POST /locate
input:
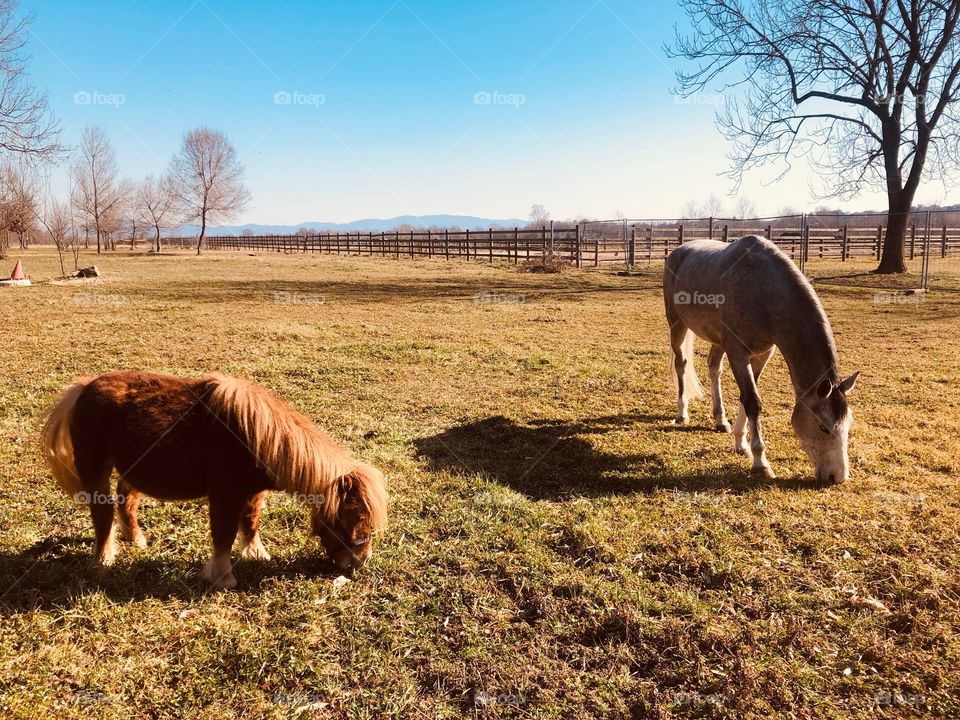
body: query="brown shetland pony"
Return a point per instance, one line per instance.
(217, 437)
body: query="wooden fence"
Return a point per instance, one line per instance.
(593, 244)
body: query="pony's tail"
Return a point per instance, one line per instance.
(56, 441)
(691, 383)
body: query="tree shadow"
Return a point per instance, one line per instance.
(551, 460)
(59, 571)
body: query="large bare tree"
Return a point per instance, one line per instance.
(27, 126)
(96, 187)
(156, 204)
(208, 179)
(867, 89)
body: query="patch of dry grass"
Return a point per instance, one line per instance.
(556, 547)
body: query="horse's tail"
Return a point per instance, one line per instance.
(691, 383)
(56, 441)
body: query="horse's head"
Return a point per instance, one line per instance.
(346, 523)
(822, 420)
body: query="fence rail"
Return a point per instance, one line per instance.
(596, 243)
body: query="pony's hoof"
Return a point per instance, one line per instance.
(140, 541)
(680, 420)
(742, 449)
(764, 471)
(255, 552)
(723, 427)
(219, 574)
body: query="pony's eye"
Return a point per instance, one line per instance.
(824, 430)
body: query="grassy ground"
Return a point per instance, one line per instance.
(556, 547)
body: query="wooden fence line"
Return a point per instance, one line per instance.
(591, 244)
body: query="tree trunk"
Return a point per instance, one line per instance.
(158, 239)
(899, 207)
(203, 231)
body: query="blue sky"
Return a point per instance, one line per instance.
(343, 110)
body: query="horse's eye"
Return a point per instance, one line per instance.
(824, 430)
(361, 541)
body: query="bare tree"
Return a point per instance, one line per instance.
(26, 125)
(208, 179)
(714, 206)
(155, 200)
(21, 189)
(745, 208)
(95, 185)
(692, 210)
(868, 89)
(539, 216)
(56, 220)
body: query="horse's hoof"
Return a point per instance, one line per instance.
(764, 471)
(723, 427)
(680, 420)
(254, 552)
(219, 573)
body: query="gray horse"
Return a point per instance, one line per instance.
(747, 298)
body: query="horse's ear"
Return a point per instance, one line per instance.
(848, 384)
(824, 389)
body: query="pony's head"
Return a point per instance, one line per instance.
(356, 506)
(822, 420)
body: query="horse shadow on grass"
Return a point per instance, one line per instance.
(556, 459)
(58, 571)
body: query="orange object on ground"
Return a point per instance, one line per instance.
(17, 273)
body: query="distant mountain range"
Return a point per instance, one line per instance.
(464, 222)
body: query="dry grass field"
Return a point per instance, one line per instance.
(556, 548)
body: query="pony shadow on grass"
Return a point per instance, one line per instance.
(555, 460)
(58, 572)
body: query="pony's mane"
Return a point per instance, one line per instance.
(300, 458)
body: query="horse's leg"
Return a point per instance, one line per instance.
(678, 333)
(252, 547)
(715, 364)
(225, 510)
(757, 363)
(93, 469)
(741, 365)
(128, 498)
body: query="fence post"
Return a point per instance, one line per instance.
(943, 242)
(516, 246)
(710, 229)
(768, 231)
(577, 247)
(726, 233)
(879, 239)
(913, 238)
(843, 244)
(490, 243)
